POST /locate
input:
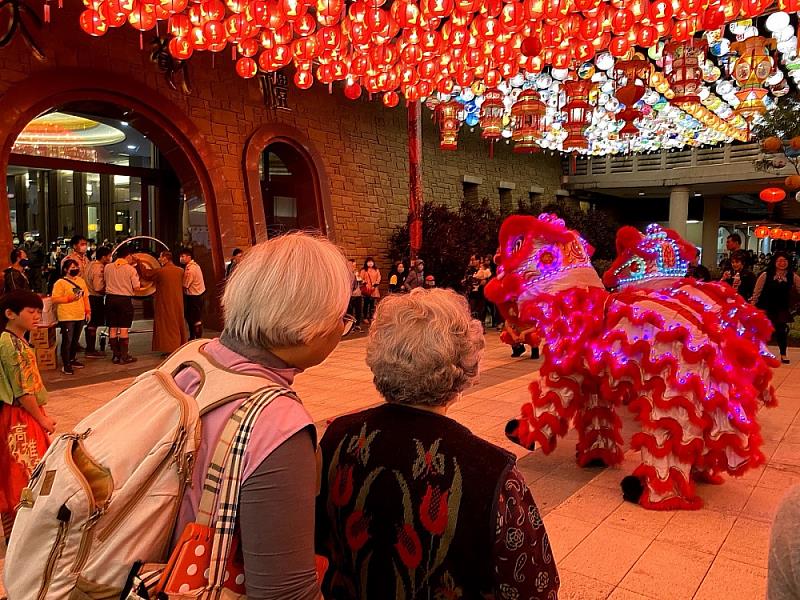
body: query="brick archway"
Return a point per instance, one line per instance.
(299, 142)
(176, 136)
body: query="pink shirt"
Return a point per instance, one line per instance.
(277, 423)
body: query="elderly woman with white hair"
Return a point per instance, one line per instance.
(413, 505)
(279, 321)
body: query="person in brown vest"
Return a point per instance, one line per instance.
(169, 327)
(412, 504)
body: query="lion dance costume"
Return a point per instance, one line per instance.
(688, 359)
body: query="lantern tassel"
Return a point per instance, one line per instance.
(141, 40)
(491, 149)
(330, 88)
(47, 12)
(233, 52)
(60, 4)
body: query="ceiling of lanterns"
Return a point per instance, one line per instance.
(450, 52)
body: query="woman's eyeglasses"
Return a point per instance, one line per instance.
(349, 321)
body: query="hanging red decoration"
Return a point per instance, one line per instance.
(636, 74)
(682, 66)
(577, 111)
(449, 124)
(491, 116)
(772, 195)
(527, 122)
(761, 232)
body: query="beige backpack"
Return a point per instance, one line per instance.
(105, 497)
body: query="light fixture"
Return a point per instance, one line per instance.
(641, 193)
(131, 147)
(696, 194)
(123, 123)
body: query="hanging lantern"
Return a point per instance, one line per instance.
(527, 116)
(796, 236)
(786, 235)
(636, 73)
(577, 111)
(772, 195)
(449, 124)
(751, 69)
(761, 232)
(776, 233)
(492, 112)
(792, 182)
(682, 66)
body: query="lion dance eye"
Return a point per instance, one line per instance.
(517, 246)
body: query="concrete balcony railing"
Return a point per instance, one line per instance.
(696, 166)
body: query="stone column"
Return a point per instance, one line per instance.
(679, 209)
(710, 230)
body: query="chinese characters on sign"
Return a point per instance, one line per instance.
(274, 88)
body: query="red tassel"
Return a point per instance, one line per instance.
(233, 52)
(141, 41)
(491, 150)
(60, 3)
(330, 88)
(47, 12)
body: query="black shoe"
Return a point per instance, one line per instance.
(517, 351)
(67, 371)
(534, 353)
(76, 364)
(784, 360)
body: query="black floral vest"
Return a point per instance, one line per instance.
(408, 506)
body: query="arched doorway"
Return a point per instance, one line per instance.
(288, 191)
(285, 183)
(174, 188)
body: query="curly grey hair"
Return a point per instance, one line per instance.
(424, 347)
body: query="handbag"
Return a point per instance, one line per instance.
(366, 287)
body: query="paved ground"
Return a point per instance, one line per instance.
(604, 548)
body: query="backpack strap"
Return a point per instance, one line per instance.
(218, 385)
(223, 481)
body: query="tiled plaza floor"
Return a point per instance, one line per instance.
(604, 548)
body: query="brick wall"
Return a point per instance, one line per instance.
(362, 144)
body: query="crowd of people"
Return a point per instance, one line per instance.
(95, 289)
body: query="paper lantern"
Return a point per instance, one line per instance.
(751, 69)
(246, 67)
(796, 236)
(577, 111)
(636, 73)
(792, 182)
(492, 112)
(776, 233)
(786, 235)
(772, 195)
(761, 232)
(682, 67)
(527, 115)
(352, 90)
(449, 124)
(772, 144)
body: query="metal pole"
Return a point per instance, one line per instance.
(415, 177)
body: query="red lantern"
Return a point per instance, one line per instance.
(619, 46)
(352, 90)
(786, 235)
(303, 78)
(796, 236)
(761, 232)
(772, 195)
(180, 48)
(93, 23)
(577, 111)
(449, 124)
(527, 115)
(246, 67)
(682, 66)
(491, 116)
(776, 233)
(391, 99)
(792, 182)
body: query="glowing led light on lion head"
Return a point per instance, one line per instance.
(540, 255)
(658, 254)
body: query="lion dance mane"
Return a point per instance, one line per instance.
(689, 359)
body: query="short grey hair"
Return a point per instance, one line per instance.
(287, 291)
(424, 347)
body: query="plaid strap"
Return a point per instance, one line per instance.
(223, 481)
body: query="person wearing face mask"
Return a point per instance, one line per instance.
(122, 283)
(776, 288)
(194, 291)
(14, 277)
(169, 325)
(79, 246)
(371, 278)
(397, 277)
(416, 276)
(71, 297)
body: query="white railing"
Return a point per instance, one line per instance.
(660, 161)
